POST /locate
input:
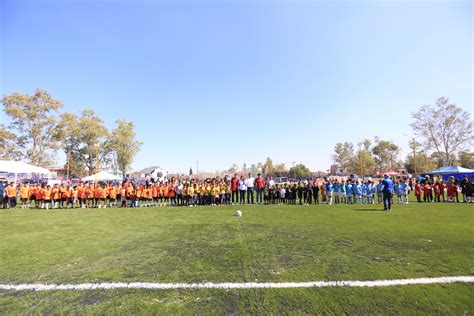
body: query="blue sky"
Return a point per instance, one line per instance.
(236, 81)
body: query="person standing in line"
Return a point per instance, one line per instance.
(259, 183)
(249, 183)
(441, 188)
(405, 190)
(271, 182)
(24, 195)
(427, 192)
(379, 190)
(309, 194)
(387, 188)
(3, 197)
(242, 189)
(463, 185)
(11, 195)
(336, 191)
(300, 192)
(342, 192)
(349, 191)
(316, 193)
(323, 192)
(329, 191)
(234, 186)
(418, 189)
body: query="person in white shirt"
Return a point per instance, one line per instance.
(242, 189)
(249, 183)
(179, 193)
(271, 182)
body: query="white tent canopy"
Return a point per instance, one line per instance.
(21, 167)
(451, 170)
(102, 176)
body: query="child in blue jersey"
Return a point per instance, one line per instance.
(357, 193)
(349, 192)
(379, 189)
(329, 190)
(370, 192)
(342, 192)
(398, 191)
(364, 193)
(336, 192)
(405, 190)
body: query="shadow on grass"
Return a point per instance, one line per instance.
(368, 209)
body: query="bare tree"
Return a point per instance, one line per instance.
(444, 128)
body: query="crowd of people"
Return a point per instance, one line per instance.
(235, 190)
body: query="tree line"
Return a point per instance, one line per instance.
(38, 130)
(442, 136)
(268, 168)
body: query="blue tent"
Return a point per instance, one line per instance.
(455, 171)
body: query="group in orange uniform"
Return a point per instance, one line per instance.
(129, 194)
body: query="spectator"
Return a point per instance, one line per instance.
(242, 189)
(234, 186)
(249, 183)
(259, 183)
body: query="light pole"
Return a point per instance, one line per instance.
(360, 162)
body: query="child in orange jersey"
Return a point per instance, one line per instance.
(10, 192)
(150, 196)
(24, 195)
(40, 196)
(123, 196)
(47, 197)
(55, 196)
(130, 195)
(63, 196)
(112, 195)
(33, 191)
(89, 196)
(155, 194)
(75, 197)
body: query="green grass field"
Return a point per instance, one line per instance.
(268, 244)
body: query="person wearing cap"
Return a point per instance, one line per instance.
(387, 185)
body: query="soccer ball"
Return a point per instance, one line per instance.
(238, 213)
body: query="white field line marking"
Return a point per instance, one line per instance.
(229, 285)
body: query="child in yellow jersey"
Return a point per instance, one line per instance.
(222, 194)
(228, 193)
(215, 194)
(199, 196)
(208, 193)
(192, 195)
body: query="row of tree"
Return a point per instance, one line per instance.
(443, 133)
(268, 168)
(37, 131)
